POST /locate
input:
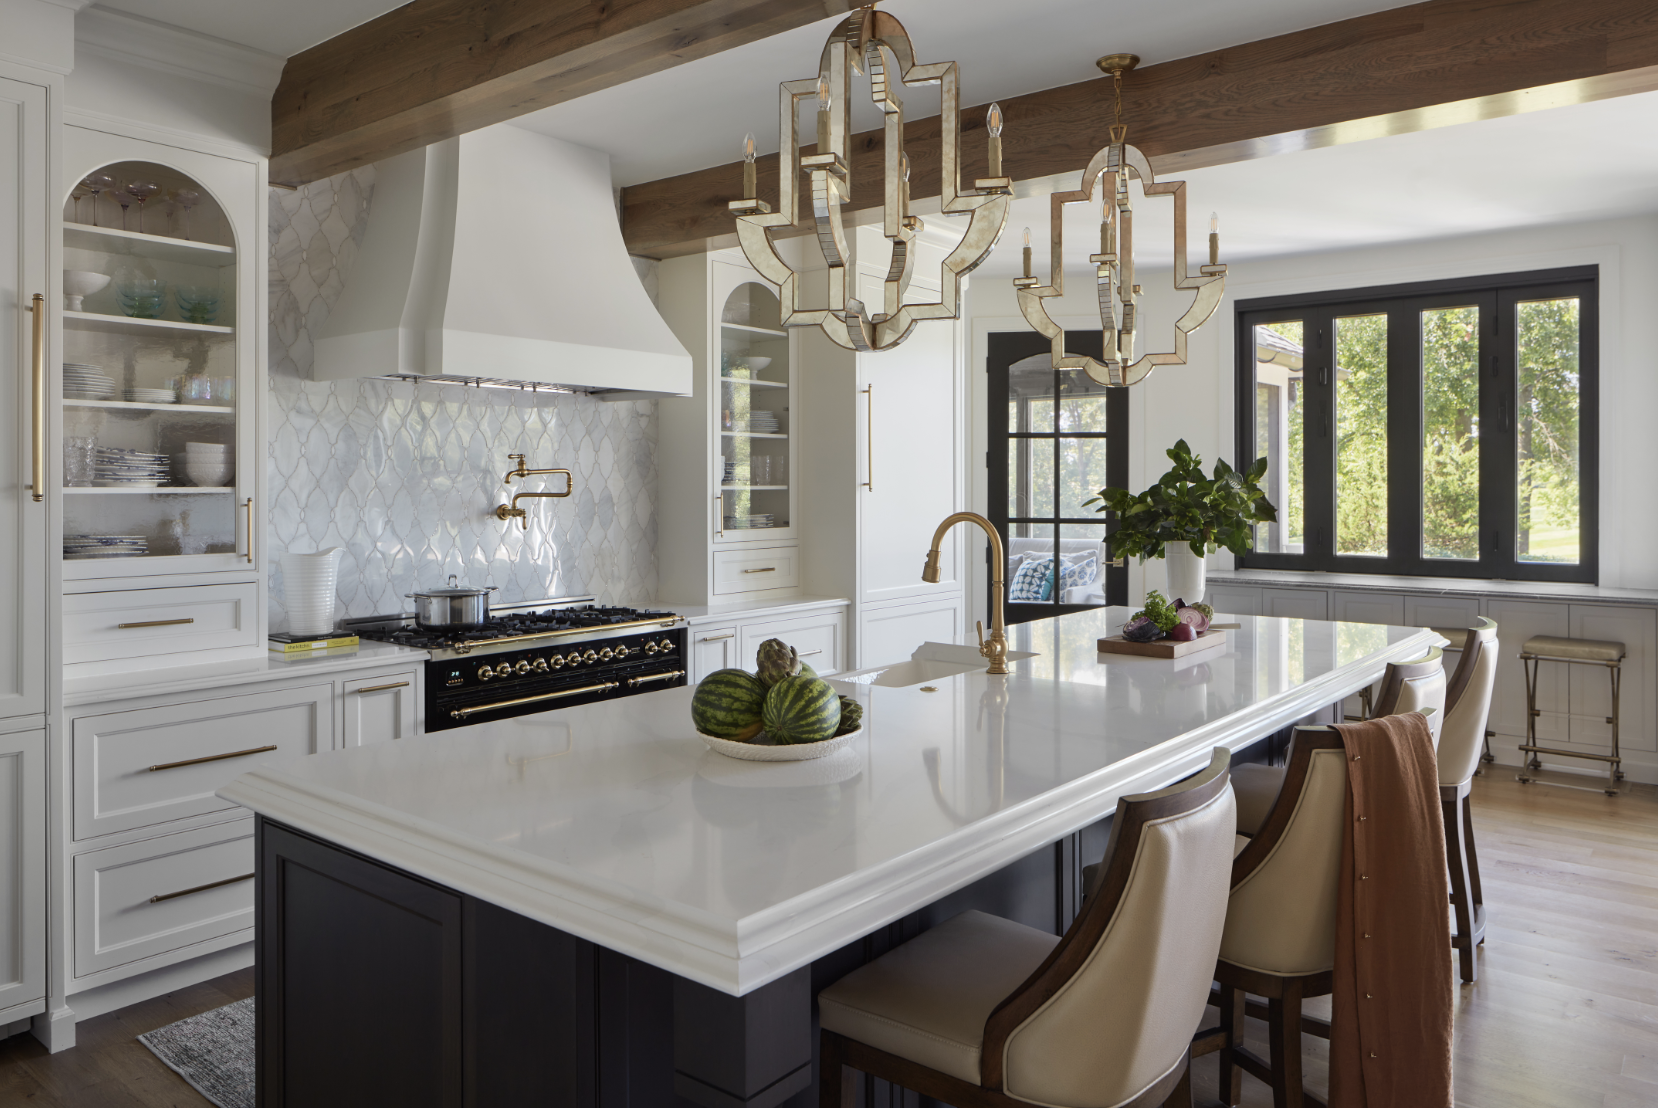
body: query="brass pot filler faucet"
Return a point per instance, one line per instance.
(513, 511)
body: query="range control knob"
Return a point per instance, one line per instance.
(651, 648)
(607, 654)
(504, 669)
(521, 668)
(590, 657)
(666, 646)
(622, 652)
(556, 661)
(573, 658)
(485, 673)
(539, 665)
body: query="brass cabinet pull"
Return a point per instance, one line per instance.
(249, 506)
(869, 438)
(382, 688)
(201, 888)
(156, 623)
(808, 653)
(718, 638)
(669, 676)
(212, 758)
(37, 305)
(462, 713)
(767, 569)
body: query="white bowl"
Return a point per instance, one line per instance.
(207, 447)
(81, 283)
(207, 475)
(758, 364)
(758, 752)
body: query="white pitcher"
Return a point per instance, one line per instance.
(1186, 573)
(309, 582)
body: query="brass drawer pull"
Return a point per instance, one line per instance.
(808, 653)
(155, 623)
(382, 688)
(462, 713)
(212, 758)
(718, 638)
(669, 676)
(767, 569)
(200, 888)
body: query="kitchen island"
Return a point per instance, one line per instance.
(589, 906)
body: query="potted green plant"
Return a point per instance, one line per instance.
(1186, 515)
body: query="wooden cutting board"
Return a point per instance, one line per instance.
(1163, 648)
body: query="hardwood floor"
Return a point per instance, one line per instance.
(1564, 1015)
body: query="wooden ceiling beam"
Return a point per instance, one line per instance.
(1395, 71)
(434, 69)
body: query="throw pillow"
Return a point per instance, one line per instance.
(1033, 581)
(1075, 575)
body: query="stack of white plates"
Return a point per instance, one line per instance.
(86, 382)
(152, 396)
(208, 465)
(139, 469)
(749, 523)
(764, 423)
(76, 547)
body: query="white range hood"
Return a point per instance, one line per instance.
(497, 258)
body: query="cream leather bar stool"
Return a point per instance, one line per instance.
(1577, 652)
(1468, 706)
(1456, 638)
(1406, 687)
(982, 1012)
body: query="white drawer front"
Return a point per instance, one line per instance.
(737, 571)
(379, 708)
(100, 626)
(818, 639)
(159, 895)
(127, 771)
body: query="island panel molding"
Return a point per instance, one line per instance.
(737, 874)
(1359, 78)
(435, 69)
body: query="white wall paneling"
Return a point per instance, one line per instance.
(1295, 603)
(1230, 600)
(22, 873)
(1590, 688)
(1441, 611)
(1517, 621)
(1366, 607)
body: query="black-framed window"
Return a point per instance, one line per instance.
(1444, 429)
(1056, 439)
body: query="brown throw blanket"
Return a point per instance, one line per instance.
(1390, 1027)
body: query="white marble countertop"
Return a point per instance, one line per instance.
(212, 675)
(615, 823)
(1438, 586)
(695, 614)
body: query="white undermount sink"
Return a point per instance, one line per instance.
(932, 661)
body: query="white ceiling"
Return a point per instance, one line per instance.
(280, 27)
(695, 115)
(1562, 165)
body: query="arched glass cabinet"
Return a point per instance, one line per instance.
(754, 467)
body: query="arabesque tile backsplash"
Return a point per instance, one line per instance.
(405, 477)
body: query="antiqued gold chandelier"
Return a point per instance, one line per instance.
(874, 43)
(1109, 171)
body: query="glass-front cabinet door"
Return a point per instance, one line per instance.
(159, 459)
(753, 409)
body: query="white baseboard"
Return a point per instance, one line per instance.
(145, 986)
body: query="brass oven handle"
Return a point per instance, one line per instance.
(719, 516)
(669, 676)
(156, 623)
(212, 758)
(249, 507)
(462, 713)
(381, 688)
(767, 569)
(718, 638)
(37, 305)
(201, 888)
(869, 438)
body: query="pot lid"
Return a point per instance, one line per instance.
(456, 589)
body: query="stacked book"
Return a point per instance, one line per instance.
(284, 643)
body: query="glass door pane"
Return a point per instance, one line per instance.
(1279, 398)
(1361, 435)
(1546, 430)
(1451, 433)
(754, 414)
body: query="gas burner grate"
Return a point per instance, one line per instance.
(589, 617)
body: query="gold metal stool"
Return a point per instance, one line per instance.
(1577, 652)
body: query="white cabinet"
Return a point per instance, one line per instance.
(22, 872)
(1517, 621)
(818, 638)
(712, 649)
(115, 627)
(1590, 687)
(891, 633)
(1234, 600)
(1441, 611)
(1295, 603)
(25, 215)
(756, 569)
(379, 709)
(1367, 607)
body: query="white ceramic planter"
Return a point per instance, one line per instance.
(1186, 573)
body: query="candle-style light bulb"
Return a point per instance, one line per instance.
(993, 124)
(904, 189)
(749, 188)
(824, 145)
(1108, 235)
(1027, 251)
(1214, 238)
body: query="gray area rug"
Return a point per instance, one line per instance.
(212, 1051)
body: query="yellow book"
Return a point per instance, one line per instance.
(305, 646)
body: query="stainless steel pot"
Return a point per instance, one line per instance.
(452, 608)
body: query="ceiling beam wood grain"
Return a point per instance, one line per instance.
(1395, 71)
(434, 69)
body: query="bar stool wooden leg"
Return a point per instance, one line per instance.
(833, 1086)
(1284, 1040)
(1465, 895)
(1232, 1032)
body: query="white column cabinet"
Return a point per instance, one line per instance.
(25, 217)
(22, 874)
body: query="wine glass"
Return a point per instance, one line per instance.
(141, 191)
(95, 184)
(125, 201)
(77, 194)
(186, 199)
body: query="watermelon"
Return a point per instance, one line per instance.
(852, 716)
(776, 660)
(806, 671)
(728, 705)
(801, 710)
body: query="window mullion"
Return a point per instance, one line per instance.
(1318, 435)
(1498, 377)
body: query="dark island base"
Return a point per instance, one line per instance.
(376, 987)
